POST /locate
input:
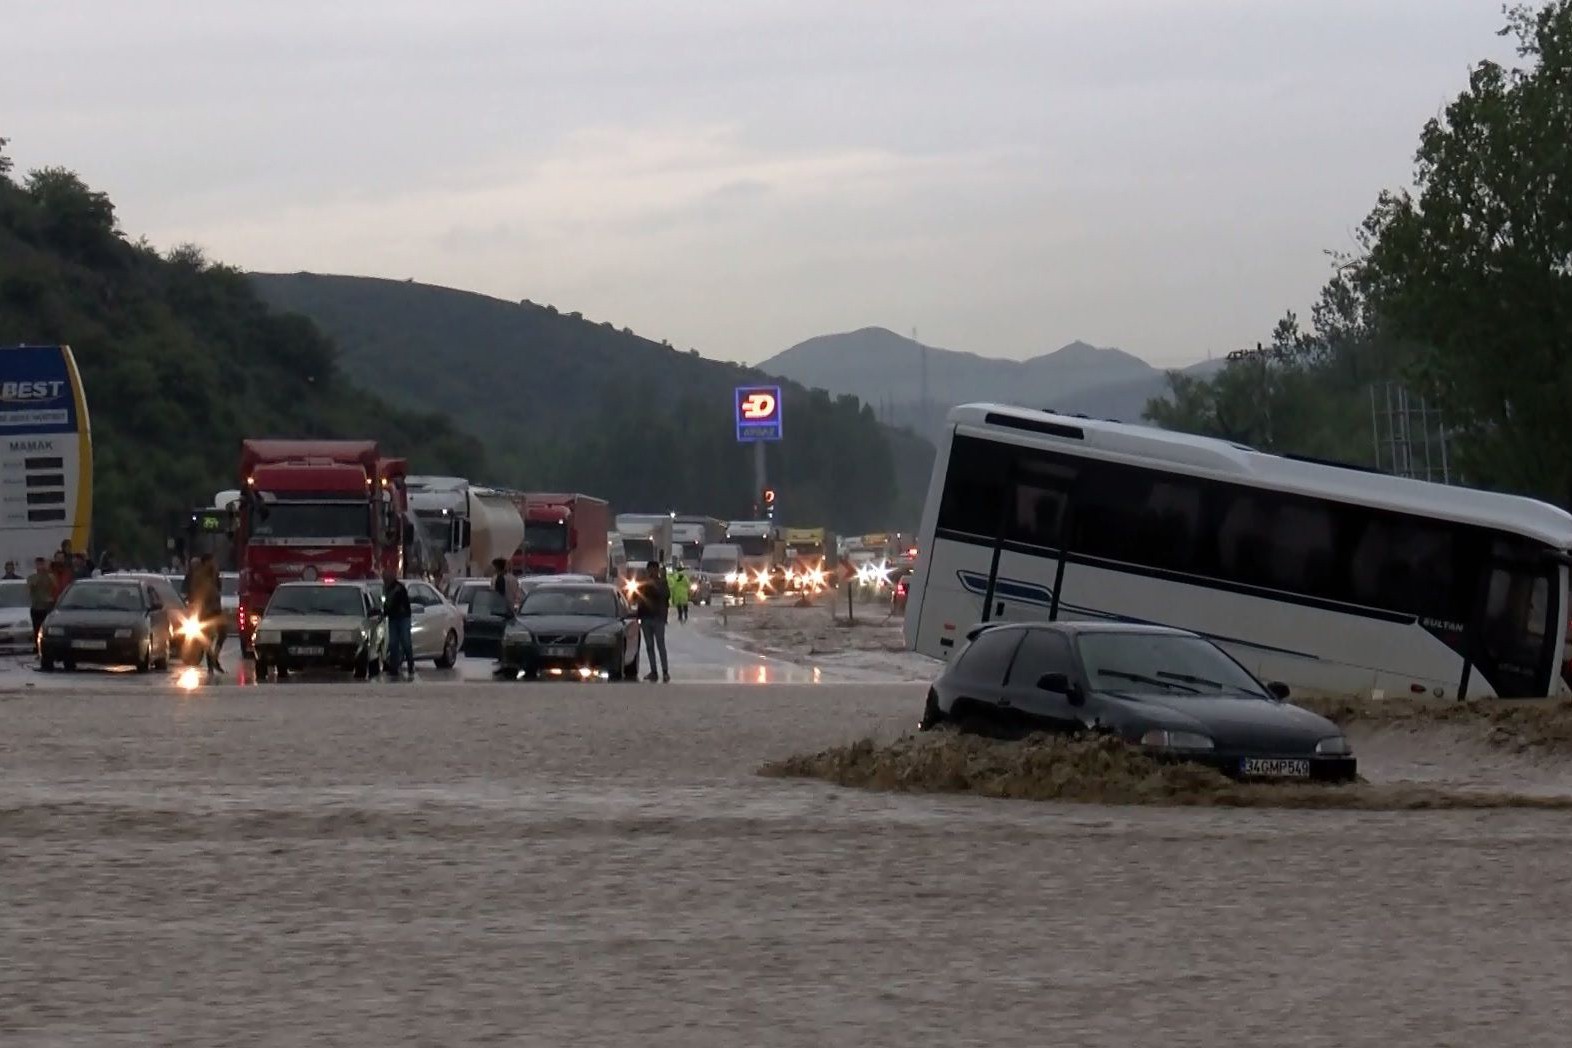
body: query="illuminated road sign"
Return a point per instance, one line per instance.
(758, 413)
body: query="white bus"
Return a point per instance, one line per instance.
(1328, 578)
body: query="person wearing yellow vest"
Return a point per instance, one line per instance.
(677, 579)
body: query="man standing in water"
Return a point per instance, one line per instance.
(652, 600)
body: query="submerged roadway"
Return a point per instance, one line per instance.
(458, 862)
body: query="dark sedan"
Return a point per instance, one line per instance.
(109, 621)
(1174, 694)
(573, 630)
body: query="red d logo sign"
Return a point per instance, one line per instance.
(758, 407)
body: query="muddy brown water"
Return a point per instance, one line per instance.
(379, 866)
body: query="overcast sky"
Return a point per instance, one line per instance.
(739, 175)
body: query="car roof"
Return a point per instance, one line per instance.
(1083, 628)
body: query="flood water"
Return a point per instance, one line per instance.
(379, 865)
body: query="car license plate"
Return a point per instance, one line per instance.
(1274, 768)
(559, 651)
(90, 645)
(306, 650)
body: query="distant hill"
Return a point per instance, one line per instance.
(180, 360)
(885, 369)
(563, 401)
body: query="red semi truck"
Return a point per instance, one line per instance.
(316, 509)
(566, 534)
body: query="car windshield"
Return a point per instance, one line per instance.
(13, 594)
(718, 564)
(317, 600)
(311, 520)
(113, 596)
(564, 600)
(1154, 662)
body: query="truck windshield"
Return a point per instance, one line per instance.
(437, 528)
(690, 551)
(547, 536)
(717, 564)
(311, 520)
(752, 545)
(641, 551)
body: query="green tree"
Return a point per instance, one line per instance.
(1474, 266)
(5, 161)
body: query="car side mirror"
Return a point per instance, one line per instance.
(1279, 690)
(1060, 684)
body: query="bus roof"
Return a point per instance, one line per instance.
(1221, 459)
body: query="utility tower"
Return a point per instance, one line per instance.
(1410, 440)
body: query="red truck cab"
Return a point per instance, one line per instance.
(566, 533)
(316, 509)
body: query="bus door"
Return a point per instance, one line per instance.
(1517, 626)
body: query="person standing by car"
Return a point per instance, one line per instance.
(41, 594)
(205, 600)
(505, 584)
(681, 589)
(400, 614)
(652, 602)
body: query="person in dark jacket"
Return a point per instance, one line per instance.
(399, 613)
(652, 601)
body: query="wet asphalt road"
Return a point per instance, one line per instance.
(379, 864)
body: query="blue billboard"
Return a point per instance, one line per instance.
(46, 453)
(758, 413)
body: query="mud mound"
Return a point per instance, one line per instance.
(1524, 726)
(1098, 770)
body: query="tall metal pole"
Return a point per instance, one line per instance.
(760, 478)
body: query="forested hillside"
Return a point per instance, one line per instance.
(566, 402)
(180, 360)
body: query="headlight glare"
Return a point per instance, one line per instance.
(1163, 739)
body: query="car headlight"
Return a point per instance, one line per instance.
(1162, 739)
(346, 636)
(1334, 746)
(267, 637)
(54, 631)
(123, 633)
(519, 635)
(603, 636)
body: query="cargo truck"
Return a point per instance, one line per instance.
(313, 509)
(566, 534)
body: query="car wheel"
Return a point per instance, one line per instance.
(163, 660)
(932, 716)
(144, 659)
(449, 654)
(362, 666)
(69, 665)
(261, 666)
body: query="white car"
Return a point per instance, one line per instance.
(321, 624)
(16, 617)
(436, 625)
